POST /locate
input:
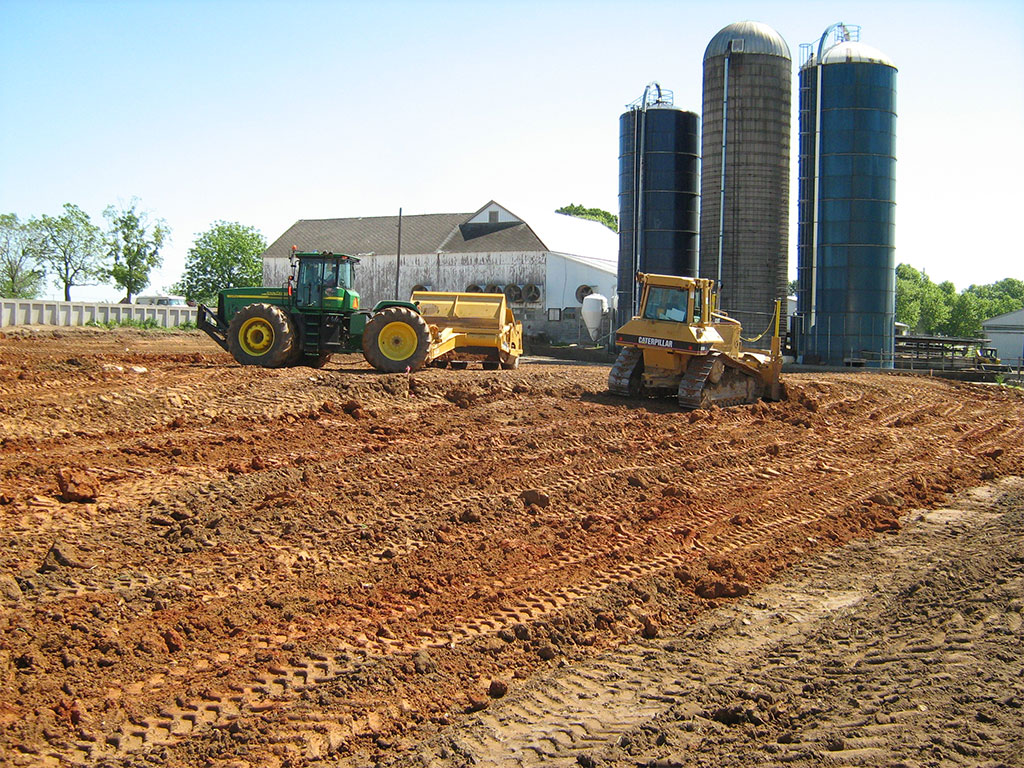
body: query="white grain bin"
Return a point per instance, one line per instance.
(594, 308)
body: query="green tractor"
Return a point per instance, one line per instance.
(317, 314)
(313, 316)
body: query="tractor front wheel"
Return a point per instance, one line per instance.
(396, 340)
(261, 334)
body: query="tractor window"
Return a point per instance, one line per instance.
(331, 278)
(310, 283)
(666, 304)
(344, 274)
(698, 305)
(310, 272)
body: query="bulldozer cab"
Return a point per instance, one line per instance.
(684, 300)
(320, 277)
(677, 304)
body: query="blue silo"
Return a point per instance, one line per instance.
(659, 192)
(846, 258)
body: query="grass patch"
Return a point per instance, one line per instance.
(149, 324)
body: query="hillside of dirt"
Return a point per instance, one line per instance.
(203, 564)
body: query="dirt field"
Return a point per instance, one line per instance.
(208, 565)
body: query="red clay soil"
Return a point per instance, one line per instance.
(208, 564)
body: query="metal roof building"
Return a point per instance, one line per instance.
(1007, 334)
(544, 267)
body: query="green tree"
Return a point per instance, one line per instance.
(909, 287)
(610, 220)
(133, 245)
(70, 246)
(21, 276)
(965, 317)
(936, 306)
(1006, 295)
(978, 303)
(225, 256)
(938, 309)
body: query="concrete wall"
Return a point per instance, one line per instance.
(22, 312)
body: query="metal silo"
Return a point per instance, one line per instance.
(846, 257)
(659, 192)
(744, 221)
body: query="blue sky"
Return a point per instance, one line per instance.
(265, 112)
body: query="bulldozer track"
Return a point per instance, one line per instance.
(622, 371)
(691, 386)
(291, 555)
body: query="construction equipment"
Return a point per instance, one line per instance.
(678, 344)
(467, 326)
(987, 359)
(317, 314)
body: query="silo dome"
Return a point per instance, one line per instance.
(850, 52)
(754, 37)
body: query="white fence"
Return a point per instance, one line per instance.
(20, 312)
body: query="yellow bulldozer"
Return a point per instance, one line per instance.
(679, 344)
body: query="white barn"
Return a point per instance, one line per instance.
(544, 267)
(1007, 334)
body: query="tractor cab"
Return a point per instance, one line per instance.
(322, 281)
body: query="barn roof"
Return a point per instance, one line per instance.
(369, 234)
(424, 233)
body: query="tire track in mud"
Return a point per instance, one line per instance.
(544, 454)
(288, 680)
(746, 662)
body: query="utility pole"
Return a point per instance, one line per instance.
(398, 254)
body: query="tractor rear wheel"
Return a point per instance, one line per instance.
(261, 334)
(396, 339)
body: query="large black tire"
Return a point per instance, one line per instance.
(261, 334)
(396, 340)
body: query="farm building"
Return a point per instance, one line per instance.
(1007, 334)
(544, 267)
